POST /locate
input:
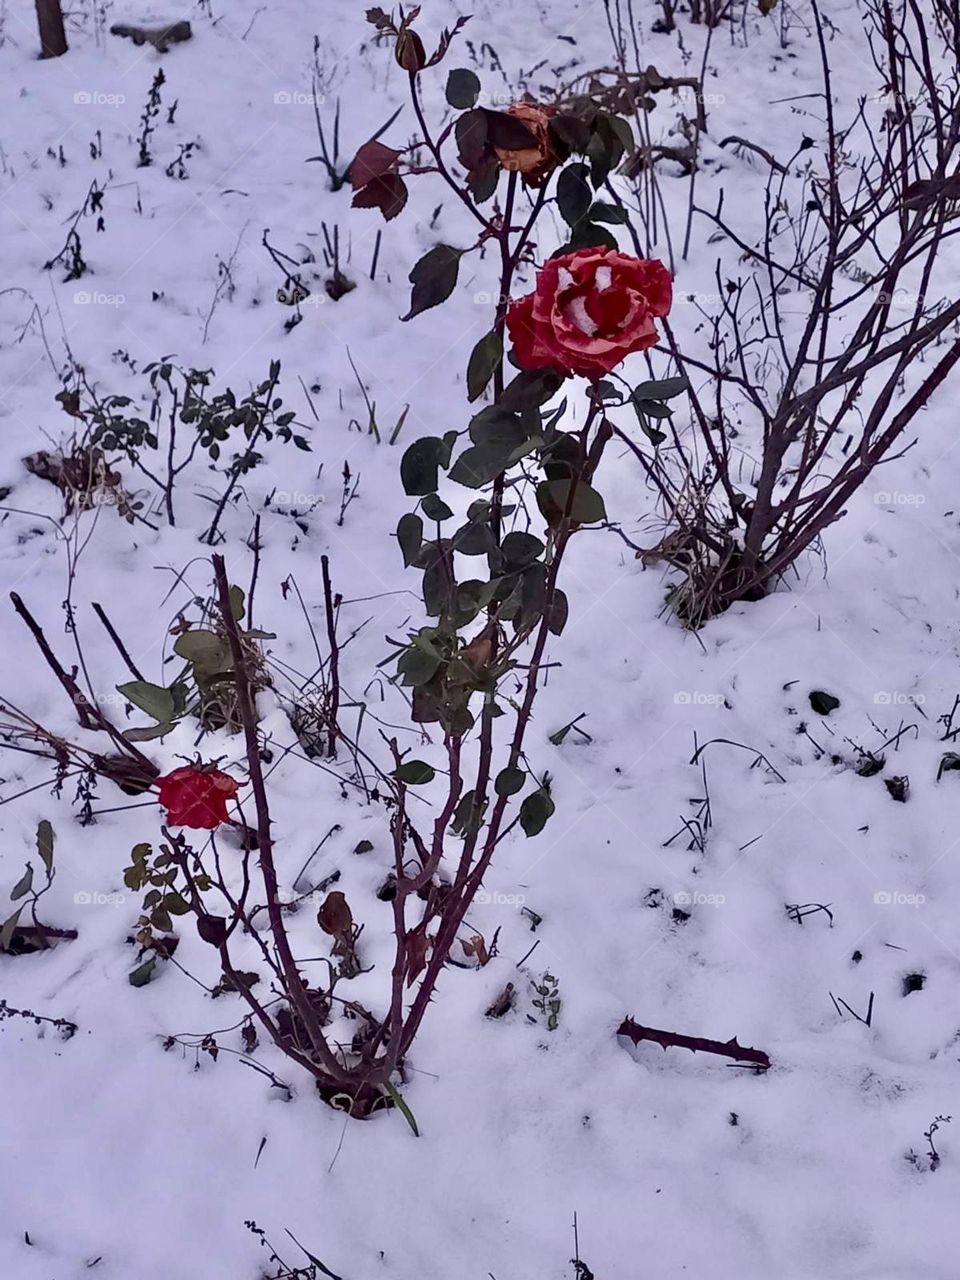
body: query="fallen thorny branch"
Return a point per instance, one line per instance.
(696, 1044)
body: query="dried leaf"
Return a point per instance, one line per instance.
(335, 916)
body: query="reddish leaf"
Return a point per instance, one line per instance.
(388, 193)
(417, 946)
(212, 929)
(371, 161)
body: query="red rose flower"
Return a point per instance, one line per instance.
(590, 309)
(196, 797)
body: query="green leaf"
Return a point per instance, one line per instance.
(45, 841)
(207, 652)
(623, 131)
(494, 425)
(467, 817)
(410, 537)
(572, 132)
(463, 88)
(434, 278)
(481, 463)
(419, 466)
(651, 409)
(653, 435)
(530, 389)
(175, 903)
(404, 1109)
(23, 885)
(484, 361)
(8, 929)
(533, 596)
(474, 595)
(603, 151)
(437, 587)
(160, 919)
(601, 211)
(434, 508)
(509, 781)
(473, 539)
(416, 667)
(823, 703)
(558, 611)
(573, 194)
(470, 132)
(586, 506)
(155, 700)
(521, 549)
(663, 389)
(535, 810)
(143, 972)
(587, 235)
(415, 773)
(148, 735)
(482, 180)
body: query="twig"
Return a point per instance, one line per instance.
(696, 1044)
(137, 674)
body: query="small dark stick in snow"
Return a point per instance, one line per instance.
(696, 1044)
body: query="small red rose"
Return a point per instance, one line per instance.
(590, 310)
(196, 797)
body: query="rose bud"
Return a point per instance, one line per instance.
(410, 53)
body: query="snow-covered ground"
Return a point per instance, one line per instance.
(150, 1162)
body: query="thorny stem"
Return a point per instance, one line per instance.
(434, 150)
(293, 983)
(470, 875)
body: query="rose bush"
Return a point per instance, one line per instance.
(590, 309)
(195, 797)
